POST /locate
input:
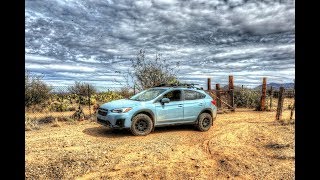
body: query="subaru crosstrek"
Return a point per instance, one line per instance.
(159, 106)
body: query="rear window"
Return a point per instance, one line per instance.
(192, 95)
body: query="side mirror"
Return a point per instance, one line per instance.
(164, 100)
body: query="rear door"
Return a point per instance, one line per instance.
(193, 104)
(170, 112)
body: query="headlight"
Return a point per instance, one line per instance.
(121, 110)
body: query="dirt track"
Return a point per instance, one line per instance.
(240, 145)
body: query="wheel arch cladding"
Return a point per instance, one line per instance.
(207, 110)
(146, 112)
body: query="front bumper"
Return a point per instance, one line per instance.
(114, 120)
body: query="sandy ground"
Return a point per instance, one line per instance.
(240, 145)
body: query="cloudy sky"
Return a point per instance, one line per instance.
(89, 40)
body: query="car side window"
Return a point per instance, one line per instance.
(173, 95)
(192, 95)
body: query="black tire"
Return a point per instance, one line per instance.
(141, 125)
(204, 122)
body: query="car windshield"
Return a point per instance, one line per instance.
(147, 95)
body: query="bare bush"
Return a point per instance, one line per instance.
(125, 92)
(82, 89)
(247, 98)
(145, 73)
(30, 124)
(36, 91)
(78, 115)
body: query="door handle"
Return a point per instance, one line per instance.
(180, 105)
(200, 104)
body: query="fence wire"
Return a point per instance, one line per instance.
(63, 104)
(250, 99)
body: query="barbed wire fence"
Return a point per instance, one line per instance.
(65, 105)
(232, 96)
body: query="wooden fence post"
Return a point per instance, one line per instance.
(231, 92)
(271, 96)
(263, 94)
(89, 100)
(209, 84)
(294, 102)
(280, 104)
(218, 96)
(134, 89)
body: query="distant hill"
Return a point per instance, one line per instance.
(276, 86)
(226, 87)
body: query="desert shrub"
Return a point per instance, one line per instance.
(85, 100)
(125, 92)
(108, 96)
(30, 124)
(247, 98)
(71, 108)
(82, 89)
(55, 123)
(45, 120)
(78, 115)
(95, 108)
(64, 118)
(36, 91)
(37, 107)
(60, 107)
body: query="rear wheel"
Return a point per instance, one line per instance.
(141, 125)
(204, 122)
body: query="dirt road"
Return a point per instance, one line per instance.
(240, 145)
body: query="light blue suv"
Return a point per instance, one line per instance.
(159, 106)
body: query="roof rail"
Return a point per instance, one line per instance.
(188, 85)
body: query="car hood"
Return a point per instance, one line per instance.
(121, 103)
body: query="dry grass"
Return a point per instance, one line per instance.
(39, 115)
(287, 102)
(55, 123)
(241, 145)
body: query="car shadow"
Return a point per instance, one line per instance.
(102, 131)
(174, 128)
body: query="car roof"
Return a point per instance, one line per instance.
(178, 87)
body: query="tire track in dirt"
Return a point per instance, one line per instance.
(235, 147)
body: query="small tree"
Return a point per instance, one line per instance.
(82, 89)
(144, 73)
(246, 98)
(36, 91)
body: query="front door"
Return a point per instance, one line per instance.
(170, 112)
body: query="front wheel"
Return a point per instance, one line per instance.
(204, 122)
(141, 125)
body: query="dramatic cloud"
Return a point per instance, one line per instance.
(68, 40)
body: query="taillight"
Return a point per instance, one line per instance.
(214, 102)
